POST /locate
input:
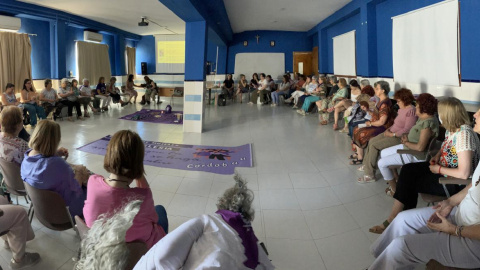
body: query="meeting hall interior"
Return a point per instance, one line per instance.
(228, 134)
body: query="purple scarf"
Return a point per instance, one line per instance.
(245, 231)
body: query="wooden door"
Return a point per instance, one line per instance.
(315, 60)
(302, 59)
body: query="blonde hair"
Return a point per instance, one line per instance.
(46, 138)
(453, 114)
(125, 153)
(11, 116)
(342, 82)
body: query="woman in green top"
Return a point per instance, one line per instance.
(84, 101)
(328, 104)
(417, 139)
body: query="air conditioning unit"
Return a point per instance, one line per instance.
(10, 23)
(92, 36)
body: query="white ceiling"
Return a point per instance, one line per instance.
(279, 15)
(122, 14)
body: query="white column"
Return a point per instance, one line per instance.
(194, 106)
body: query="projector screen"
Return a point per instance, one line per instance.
(425, 45)
(268, 63)
(170, 53)
(344, 55)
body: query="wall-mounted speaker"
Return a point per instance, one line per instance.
(144, 68)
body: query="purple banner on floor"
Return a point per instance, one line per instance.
(155, 116)
(214, 159)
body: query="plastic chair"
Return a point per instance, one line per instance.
(50, 209)
(177, 92)
(12, 179)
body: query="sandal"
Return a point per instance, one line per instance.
(330, 110)
(378, 229)
(361, 168)
(354, 156)
(356, 161)
(323, 123)
(366, 179)
(389, 191)
(335, 126)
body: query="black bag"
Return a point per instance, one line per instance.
(222, 100)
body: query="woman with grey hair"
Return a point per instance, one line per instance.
(222, 240)
(104, 245)
(69, 99)
(364, 83)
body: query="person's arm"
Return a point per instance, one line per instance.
(379, 123)
(24, 96)
(463, 170)
(425, 135)
(172, 251)
(64, 95)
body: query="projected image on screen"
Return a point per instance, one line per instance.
(171, 52)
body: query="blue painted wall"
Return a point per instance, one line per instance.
(40, 46)
(372, 20)
(146, 53)
(212, 54)
(286, 42)
(72, 34)
(347, 25)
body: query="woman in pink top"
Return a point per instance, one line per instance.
(124, 162)
(404, 121)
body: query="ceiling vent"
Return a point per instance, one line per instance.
(92, 36)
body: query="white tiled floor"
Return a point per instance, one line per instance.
(310, 211)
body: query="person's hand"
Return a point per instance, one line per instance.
(62, 152)
(368, 123)
(444, 208)
(443, 225)
(434, 160)
(387, 133)
(434, 168)
(404, 138)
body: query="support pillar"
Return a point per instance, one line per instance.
(196, 40)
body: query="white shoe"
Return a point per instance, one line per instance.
(273, 104)
(250, 103)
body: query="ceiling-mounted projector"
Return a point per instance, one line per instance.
(144, 22)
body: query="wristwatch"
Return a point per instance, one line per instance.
(394, 135)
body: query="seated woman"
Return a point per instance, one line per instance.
(320, 93)
(114, 92)
(417, 139)
(49, 100)
(86, 92)
(403, 123)
(228, 85)
(222, 240)
(242, 87)
(448, 233)
(283, 89)
(312, 86)
(346, 103)
(130, 90)
(299, 92)
(254, 81)
(150, 91)
(262, 90)
(8, 97)
(69, 99)
(82, 100)
(14, 221)
(124, 162)
(382, 119)
(29, 100)
(458, 157)
(359, 114)
(328, 104)
(101, 92)
(44, 167)
(12, 148)
(271, 83)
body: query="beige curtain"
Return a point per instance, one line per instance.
(15, 59)
(93, 61)
(131, 59)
